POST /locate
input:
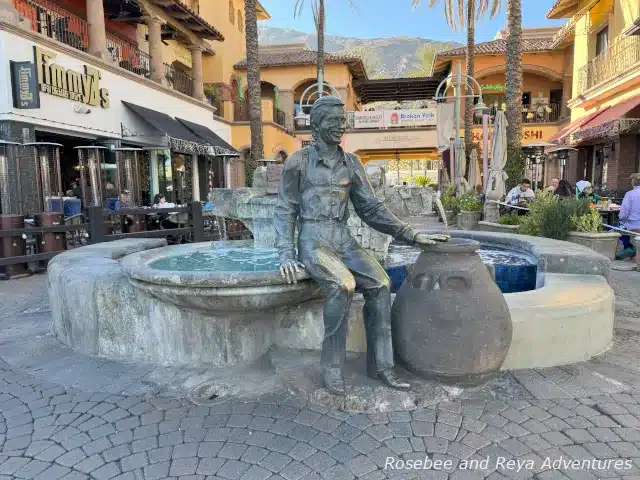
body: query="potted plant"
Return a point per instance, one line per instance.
(470, 214)
(212, 93)
(422, 181)
(509, 223)
(450, 203)
(587, 231)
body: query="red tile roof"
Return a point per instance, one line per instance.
(500, 46)
(298, 57)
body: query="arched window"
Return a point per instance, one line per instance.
(232, 12)
(240, 22)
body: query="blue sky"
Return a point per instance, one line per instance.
(394, 18)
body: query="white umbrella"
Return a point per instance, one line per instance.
(497, 176)
(460, 163)
(474, 169)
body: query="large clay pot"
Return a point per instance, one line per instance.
(450, 320)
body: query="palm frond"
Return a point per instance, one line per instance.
(298, 7)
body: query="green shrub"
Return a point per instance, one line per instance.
(590, 222)
(449, 199)
(422, 180)
(469, 203)
(552, 218)
(510, 219)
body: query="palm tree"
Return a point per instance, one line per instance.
(253, 87)
(513, 85)
(317, 7)
(455, 12)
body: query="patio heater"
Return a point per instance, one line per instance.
(46, 158)
(10, 191)
(90, 162)
(11, 206)
(128, 185)
(128, 176)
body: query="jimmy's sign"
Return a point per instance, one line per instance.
(79, 87)
(24, 85)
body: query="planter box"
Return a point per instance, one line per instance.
(451, 216)
(484, 226)
(468, 220)
(603, 243)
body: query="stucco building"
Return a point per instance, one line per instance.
(605, 101)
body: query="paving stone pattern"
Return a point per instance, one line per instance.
(50, 431)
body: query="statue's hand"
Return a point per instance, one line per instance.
(288, 270)
(425, 239)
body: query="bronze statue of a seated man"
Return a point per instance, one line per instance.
(317, 183)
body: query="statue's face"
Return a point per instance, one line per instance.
(333, 125)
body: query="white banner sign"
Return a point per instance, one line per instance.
(410, 118)
(368, 119)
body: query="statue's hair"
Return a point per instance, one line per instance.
(319, 110)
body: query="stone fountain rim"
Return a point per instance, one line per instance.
(137, 266)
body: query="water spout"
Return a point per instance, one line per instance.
(222, 228)
(440, 207)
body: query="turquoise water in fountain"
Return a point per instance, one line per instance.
(222, 260)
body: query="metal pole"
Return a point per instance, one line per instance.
(485, 150)
(456, 113)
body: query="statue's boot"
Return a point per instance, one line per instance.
(390, 378)
(377, 317)
(334, 380)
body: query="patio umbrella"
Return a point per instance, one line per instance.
(460, 163)
(474, 169)
(495, 189)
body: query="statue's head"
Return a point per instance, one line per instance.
(328, 120)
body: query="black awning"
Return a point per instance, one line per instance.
(220, 147)
(180, 137)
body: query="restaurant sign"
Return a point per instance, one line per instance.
(496, 87)
(373, 119)
(24, 85)
(395, 118)
(79, 87)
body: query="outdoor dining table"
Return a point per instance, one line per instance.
(609, 215)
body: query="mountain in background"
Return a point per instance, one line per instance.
(383, 57)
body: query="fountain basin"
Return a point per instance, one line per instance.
(105, 300)
(179, 274)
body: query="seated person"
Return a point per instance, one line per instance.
(563, 190)
(585, 190)
(519, 195)
(630, 217)
(160, 202)
(553, 187)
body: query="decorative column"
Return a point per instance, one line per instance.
(154, 25)
(97, 31)
(567, 86)
(197, 87)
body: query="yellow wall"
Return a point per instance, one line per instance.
(275, 139)
(219, 68)
(292, 76)
(619, 18)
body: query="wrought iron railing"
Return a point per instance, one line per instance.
(55, 22)
(279, 117)
(179, 80)
(617, 59)
(531, 114)
(128, 56)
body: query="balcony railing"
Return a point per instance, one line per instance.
(55, 22)
(128, 56)
(531, 114)
(179, 80)
(279, 117)
(617, 59)
(59, 24)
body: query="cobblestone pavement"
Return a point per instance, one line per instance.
(57, 423)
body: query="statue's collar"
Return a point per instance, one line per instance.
(315, 156)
